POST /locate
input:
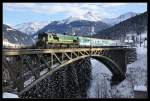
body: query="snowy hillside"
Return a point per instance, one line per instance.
(15, 38)
(80, 27)
(136, 75)
(137, 24)
(30, 28)
(113, 21)
(65, 25)
(89, 16)
(100, 84)
(9, 95)
(69, 20)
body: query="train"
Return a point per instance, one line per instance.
(46, 40)
(52, 40)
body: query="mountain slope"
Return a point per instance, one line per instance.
(30, 28)
(65, 25)
(81, 27)
(135, 24)
(89, 16)
(79, 24)
(13, 37)
(113, 21)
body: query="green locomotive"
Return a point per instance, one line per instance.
(52, 40)
(48, 40)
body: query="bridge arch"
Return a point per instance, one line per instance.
(109, 63)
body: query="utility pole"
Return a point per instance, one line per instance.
(139, 33)
(90, 36)
(92, 31)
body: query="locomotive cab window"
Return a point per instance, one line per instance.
(43, 36)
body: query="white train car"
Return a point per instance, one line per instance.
(86, 41)
(102, 42)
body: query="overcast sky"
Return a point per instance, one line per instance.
(16, 13)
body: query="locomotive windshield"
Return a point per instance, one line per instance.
(43, 36)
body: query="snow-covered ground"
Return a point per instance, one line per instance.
(140, 88)
(138, 69)
(9, 95)
(15, 45)
(136, 76)
(99, 85)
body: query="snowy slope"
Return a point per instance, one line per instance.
(70, 19)
(113, 21)
(140, 88)
(136, 76)
(30, 28)
(80, 27)
(100, 85)
(13, 37)
(89, 16)
(9, 95)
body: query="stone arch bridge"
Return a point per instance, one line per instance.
(24, 68)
